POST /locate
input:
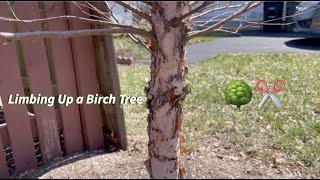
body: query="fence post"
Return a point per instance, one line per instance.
(109, 82)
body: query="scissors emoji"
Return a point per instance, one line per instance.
(277, 87)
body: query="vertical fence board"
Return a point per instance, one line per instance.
(87, 83)
(34, 54)
(65, 78)
(109, 78)
(3, 165)
(16, 115)
(4, 135)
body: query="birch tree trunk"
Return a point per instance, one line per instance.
(166, 89)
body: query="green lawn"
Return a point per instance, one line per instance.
(204, 38)
(124, 46)
(294, 130)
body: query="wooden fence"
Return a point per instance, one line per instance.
(31, 135)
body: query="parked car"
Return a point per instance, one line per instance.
(307, 17)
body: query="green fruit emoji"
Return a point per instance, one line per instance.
(238, 93)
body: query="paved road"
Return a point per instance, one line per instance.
(253, 42)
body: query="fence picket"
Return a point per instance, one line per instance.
(16, 115)
(65, 78)
(35, 57)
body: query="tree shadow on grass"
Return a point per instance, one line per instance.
(305, 43)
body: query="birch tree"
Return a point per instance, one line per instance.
(165, 33)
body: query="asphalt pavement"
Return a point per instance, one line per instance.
(256, 41)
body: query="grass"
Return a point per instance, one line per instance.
(124, 46)
(204, 38)
(293, 130)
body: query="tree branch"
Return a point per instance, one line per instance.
(14, 14)
(255, 24)
(267, 21)
(86, 13)
(218, 25)
(9, 37)
(11, 9)
(191, 3)
(134, 10)
(150, 3)
(228, 31)
(102, 13)
(249, 23)
(132, 36)
(215, 9)
(65, 17)
(197, 9)
(204, 23)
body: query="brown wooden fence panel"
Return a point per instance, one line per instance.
(4, 135)
(87, 83)
(16, 115)
(50, 67)
(4, 173)
(65, 78)
(35, 57)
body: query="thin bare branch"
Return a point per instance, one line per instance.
(141, 23)
(191, 3)
(8, 37)
(132, 36)
(247, 7)
(197, 9)
(150, 3)
(139, 41)
(134, 10)
(204, 23)
(65, 17)
(102, 13)
(14, 14)
(11, 9)
(87, 13)
(252, 23)
(95, 9)
(215, 9)
(296, 14)
(264, 23)
(239, 27)
(228, 31)
(111, 13)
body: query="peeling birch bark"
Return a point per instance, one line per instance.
(166, 89)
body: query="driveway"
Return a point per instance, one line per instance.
(254, 42)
